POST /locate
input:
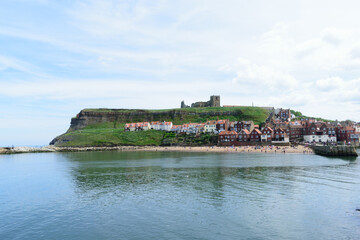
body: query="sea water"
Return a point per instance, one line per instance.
(169, 195)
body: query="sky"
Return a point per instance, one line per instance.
(60, 56)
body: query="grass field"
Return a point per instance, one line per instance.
(111, 137)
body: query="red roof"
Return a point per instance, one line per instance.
(228, 133)
(279, 129)
(245, 130)
(256, 130)
(269, 128)
(221, 122)
(348, 128)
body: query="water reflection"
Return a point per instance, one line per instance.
(214, 177)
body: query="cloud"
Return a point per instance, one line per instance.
(263, 76)
(328, 84)
(67, 89)
(19, 65)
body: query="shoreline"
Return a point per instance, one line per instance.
(210, 149)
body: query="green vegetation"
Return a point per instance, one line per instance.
(110, 137)
(181, 115)
(189, 140)
(299, 116)
(296, 113)
(107, 137)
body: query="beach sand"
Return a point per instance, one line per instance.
(240, 149)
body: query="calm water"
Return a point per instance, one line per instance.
(110, 195)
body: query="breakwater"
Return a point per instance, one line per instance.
(335, 151)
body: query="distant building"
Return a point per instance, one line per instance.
(255, 135)
(166, 126)
(210, 126)
(283, 114)
(213, 102)
(280, 135)
(347, 134)
(240, 125)
(228, 137)
(222, 125)
(267, 134)
(244, 135)
(319, 132)
(155, 125)
(296, 133)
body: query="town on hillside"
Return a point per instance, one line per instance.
(281, 127)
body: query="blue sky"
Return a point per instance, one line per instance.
(58, 57)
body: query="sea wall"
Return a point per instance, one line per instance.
(340, 150)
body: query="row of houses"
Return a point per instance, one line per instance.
(210, 126)
(311, 130)
(143, 126)
(276, 130)
(267, 134)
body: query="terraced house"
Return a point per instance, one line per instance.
(210, 126)
(280, 135)
(347, 134)
(240, 125)
(267, 134)
(222, 125)
(255, 135)
(319, 132)
(244, 135)
(229, 137)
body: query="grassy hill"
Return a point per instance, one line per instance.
(109, 137)
(104, 127)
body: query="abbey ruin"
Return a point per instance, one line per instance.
(213, 102)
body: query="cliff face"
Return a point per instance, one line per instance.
(120, 116)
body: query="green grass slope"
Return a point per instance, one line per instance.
(109, 137)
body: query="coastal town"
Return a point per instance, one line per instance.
(282, 127)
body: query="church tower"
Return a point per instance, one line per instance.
(214, 101)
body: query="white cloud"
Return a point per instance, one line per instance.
(263, 76)
(328, 84)
(14, 63)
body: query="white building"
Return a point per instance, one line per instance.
(210, 126)
(130, 127)
(166, 126)
(146, 126)
(155, 125)
(176, 128)
(319, 138)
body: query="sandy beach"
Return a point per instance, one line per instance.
(240, 149)
(243, 149)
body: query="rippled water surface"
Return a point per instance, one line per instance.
(114, 195)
